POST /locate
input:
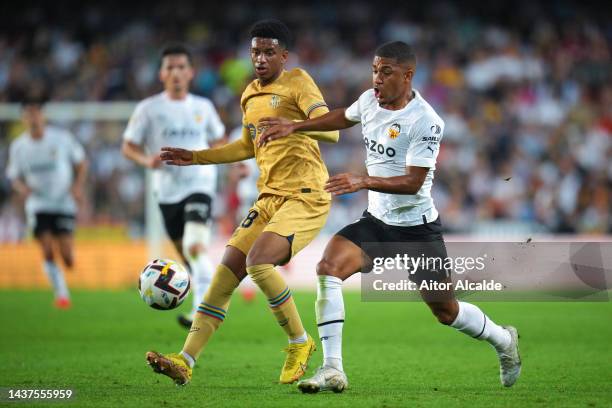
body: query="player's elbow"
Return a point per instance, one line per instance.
(125, 149)
(129, 150)
(410, 186)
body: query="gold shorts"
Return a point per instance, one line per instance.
(298, 217)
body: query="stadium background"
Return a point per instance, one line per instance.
(525, 89)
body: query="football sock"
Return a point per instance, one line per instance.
(202, 273)
(188, 359)
(56, 277)
(473, 322)
(279, 297)
(298, 340)
(211, 312)
(330, 319)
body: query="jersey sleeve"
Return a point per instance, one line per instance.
(308, 95)
(138, 126)
(425, 138)
(13, 171)
(354, 112)
(215, 129)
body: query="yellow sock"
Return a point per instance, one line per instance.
(211, 311)
(279, 297)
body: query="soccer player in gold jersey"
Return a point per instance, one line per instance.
(291, 209)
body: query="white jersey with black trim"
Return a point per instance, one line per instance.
(190, 123)
(396, 139)
(46, 165)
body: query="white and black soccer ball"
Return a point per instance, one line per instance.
(164, 284)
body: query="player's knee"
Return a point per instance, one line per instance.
(195, 238)
(258, 256)
(195, 249)
(326, 267)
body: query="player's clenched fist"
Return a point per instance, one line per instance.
(344, 183)
(176, 157)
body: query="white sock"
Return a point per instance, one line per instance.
(56, 277)
(330, 319)
(190, 360)
(300, 339)
(201, 276)
(473, 322)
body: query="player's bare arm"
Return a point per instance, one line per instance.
(232, 152)
(21, 188)
(176, 156)
(80, 175)
(281, 127)
(349, 183)
(135, 153)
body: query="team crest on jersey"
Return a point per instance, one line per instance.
(394, 130)
(198, 117)
(252, 130)
(275, 101)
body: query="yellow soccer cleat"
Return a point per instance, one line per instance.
(296, 361)
(171, 365)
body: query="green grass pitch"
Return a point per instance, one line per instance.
(395, 354)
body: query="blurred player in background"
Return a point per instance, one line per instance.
(291, 208)
(185, 194)
(47, 168)
(402, 133)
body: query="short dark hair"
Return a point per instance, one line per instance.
(398, 50)
(176, 49)
(272, 28)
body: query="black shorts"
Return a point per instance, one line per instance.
(56, 223)
(196, 207)
(379, 240)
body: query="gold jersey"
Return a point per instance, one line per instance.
(290, 164)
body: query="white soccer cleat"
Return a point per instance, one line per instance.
(324, 379)
(510, 360)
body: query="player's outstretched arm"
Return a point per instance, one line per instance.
(176, 156)
(280, 127)
(229, 153)
(410, 183)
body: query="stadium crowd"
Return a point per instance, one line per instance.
(525, 90)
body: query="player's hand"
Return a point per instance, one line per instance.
(176, 157)
(275, 128)
(344, 183)
(154, 162)
(77, 193)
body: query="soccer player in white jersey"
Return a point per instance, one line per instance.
(47, 168)
(402, 134)
(176, 117)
